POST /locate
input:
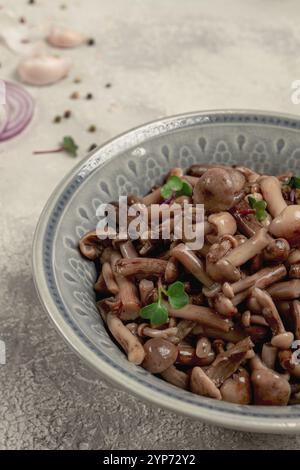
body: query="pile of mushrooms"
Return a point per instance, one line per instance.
(235, 338)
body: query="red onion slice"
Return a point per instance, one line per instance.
(19, 109)
(3, 118)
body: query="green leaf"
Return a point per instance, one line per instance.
(186, 190)
(156, 313)
(177, 296)
(147, 312)
(175, 289)
(175, 183)
(252, 202)
(160, 316)
(70, 146)
(259, 207)
(179, 302)
(294, 182)
(166, 192)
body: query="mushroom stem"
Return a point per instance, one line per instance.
(281, 339)
(203, 315)
(226, 363)
(253, 305)
(258, 320)
(261, 279)
(269, 310)
(258, 333)
(240, 297)
(192, 263)
(286, 290)
(152, 198)
(271, 190)
(217, 266)
(126, 339)
(246, 319)
(146, 288)
(256, 363)
(176, 377)
(295, 314)
(234, 335)
(242, 253)
(212, 291)
(145, 266)
(109, 279)
(184, 327)
(144, 330)
(171, 272)
(202, 385)
(128, 250)
(269, 355)
(127, 291)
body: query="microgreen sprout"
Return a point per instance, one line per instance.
(68, 145)
(176, 294)
(157, 312)
(259, 207)
(175, 187)
(294, 182)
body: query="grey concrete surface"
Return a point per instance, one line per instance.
(161, 57)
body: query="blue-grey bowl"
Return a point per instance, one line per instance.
(133, 163)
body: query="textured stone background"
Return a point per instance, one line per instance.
(162, 57)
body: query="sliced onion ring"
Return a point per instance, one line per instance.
(19, 110)
(3, 118)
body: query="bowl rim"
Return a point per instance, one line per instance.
(229, 417)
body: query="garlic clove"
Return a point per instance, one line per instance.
(65, 38)
(43, 70)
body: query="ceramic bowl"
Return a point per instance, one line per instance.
(133, 163)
